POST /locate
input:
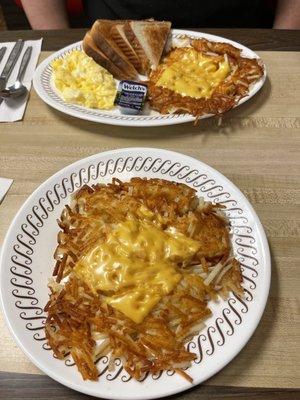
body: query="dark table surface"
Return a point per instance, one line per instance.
(257, 39)
(28, 386)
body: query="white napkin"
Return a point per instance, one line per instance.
(13, 109)
(5, 184)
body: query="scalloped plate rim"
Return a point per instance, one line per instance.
(80, 386)
(166, 119)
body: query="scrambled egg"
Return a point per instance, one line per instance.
(80, 80)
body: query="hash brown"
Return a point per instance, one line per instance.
(80, 323)
(243, 73)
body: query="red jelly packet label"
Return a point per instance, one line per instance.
(131, 95)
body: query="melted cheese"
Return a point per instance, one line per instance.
(195, 74)
(136, 266)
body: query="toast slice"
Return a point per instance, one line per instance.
(137, 47)
(118, 35)
(101, 34)
(148, 39)
(100, 58)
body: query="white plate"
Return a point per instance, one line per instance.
(27, 263)
(45, 89)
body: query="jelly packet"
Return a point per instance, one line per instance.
(131, 97)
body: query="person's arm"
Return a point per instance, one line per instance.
(287, 15)
(46, 14)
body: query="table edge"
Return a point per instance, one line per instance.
(257, 39)
(21, 385)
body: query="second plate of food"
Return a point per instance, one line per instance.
(134, 274)
(199, 75)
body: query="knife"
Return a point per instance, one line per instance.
(11, 62)
(2, 52)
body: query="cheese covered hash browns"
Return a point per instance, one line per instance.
(243, 73)
(81, 323)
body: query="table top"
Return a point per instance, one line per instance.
(256, 147)
(256, 39)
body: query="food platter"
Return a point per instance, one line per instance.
(27, 262)
(45, 88)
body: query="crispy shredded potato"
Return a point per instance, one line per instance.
(79, 321)
(244, 72)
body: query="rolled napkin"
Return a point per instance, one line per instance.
(5, 184)
(13, 109)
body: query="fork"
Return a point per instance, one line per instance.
(11, 62)
(2, 52)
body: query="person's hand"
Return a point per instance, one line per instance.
(46, 14)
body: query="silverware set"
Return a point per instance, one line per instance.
(17, 89)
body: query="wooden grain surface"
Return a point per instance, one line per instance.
(36, 387)
(257, 39)
(257, 147)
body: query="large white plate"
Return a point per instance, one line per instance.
(44, 87)
(27, 263)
